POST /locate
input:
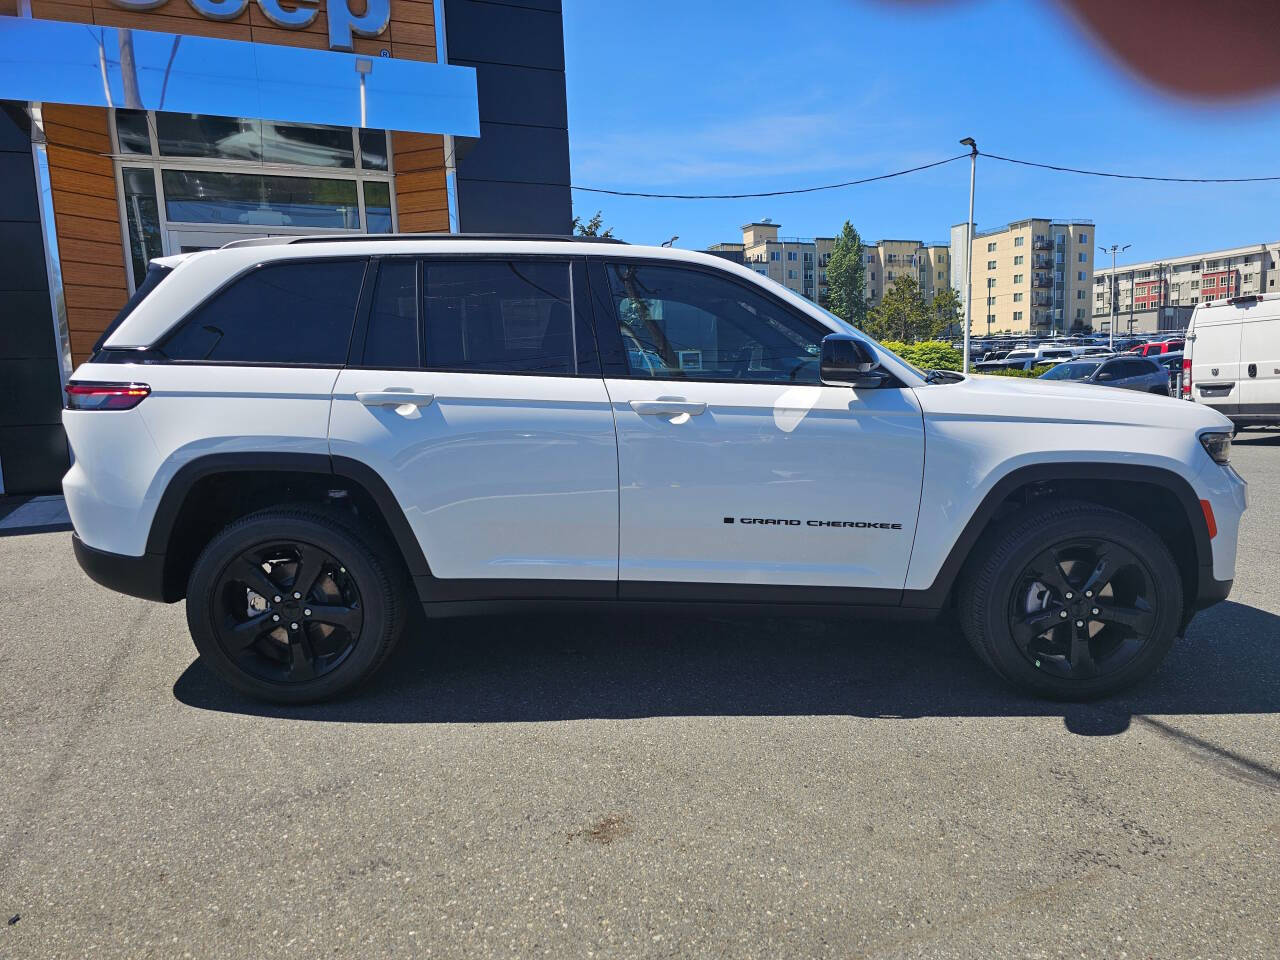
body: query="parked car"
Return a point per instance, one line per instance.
(1156, 347)
(1127, 372)
(1232, 358)
(304, 436)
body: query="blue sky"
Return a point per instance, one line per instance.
(699, 96)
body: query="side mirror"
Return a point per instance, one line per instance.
(848, 362)
(1102, 377)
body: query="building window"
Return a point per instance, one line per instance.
(1080, 275)
(1017, 261)
(1195, 284)
(1079, 294)
(1017, 277)
(1017, 298)
(873, 274)
(775, 255)
(791, 254)
(1083, 256)
(991, 264)
(1017, 316)
(1017, 241)
(888, 276)
(991, 281)
(1084, 238)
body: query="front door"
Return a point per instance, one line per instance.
(476, 393)
(737, 467)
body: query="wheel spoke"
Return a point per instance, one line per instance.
(301, 659)
(241, 636)
(1048, 569)
(1034, 624)
(1081, 657)
(1140, 620)
(310, 562)
(349, 618)
(249, 572)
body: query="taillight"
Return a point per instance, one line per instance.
(1186, 377)
(105, 396)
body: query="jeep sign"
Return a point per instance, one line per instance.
(292, 15)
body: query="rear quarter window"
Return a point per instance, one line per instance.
(278, 314)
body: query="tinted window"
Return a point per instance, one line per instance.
(1123, 369)
(679, 323)
(1070, 371)
(392, 338)
(498, 316)
(282, 313)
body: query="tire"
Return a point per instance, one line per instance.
(241, 608)
(1092, 645)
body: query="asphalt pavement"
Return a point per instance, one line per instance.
(636, 786)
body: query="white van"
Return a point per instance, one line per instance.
(1231, 361)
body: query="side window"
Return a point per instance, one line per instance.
(685, 324)
(392, 337)
(498, 316)
(281, 313)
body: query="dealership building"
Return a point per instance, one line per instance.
(134, 129)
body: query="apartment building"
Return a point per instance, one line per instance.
(799, 263)
(1031, 277)
(1158, 295)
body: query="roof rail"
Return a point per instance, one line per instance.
(364, 237)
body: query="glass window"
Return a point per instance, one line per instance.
(373, 149)
(198, 196)
(1017, 241)
(392, 338)
(679, 324)
(1070, 371)
(281, 313)
(132, 131)
(142, 213)
(498, 316)
(261, 141)
(377, 206)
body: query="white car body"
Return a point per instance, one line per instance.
(813, 492)
(1232, 353)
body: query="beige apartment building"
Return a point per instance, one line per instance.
(799, 263)
(1158, 295)
(1030, 277)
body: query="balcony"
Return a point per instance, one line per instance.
(1041, 243)
(1041, 299)
(1041, 280)
(1041, 263)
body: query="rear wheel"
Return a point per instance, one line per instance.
(1072, 601)
(293, 605)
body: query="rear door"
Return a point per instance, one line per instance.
(1260, 360)
(737, 467)
(476, 394)
(1215, 359)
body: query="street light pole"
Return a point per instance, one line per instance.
(968, 253)
(1111, 341)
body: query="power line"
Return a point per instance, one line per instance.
(1129, 176)
(769, 193)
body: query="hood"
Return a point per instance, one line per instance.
(1022, 400)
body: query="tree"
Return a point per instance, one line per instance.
(901, 314)
(591, 228)
(948, 312)
(847, 278)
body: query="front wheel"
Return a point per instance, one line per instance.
(1072, 601)
(293, 606)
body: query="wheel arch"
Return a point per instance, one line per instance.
(212, 490)
(1160, 498)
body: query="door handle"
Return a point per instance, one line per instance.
(668, 407)
(1253, 369)
(394, 398)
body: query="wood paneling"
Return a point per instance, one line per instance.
(86, 216)
(86, 208)
(422, 202)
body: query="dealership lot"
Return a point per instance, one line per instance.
(635, 785)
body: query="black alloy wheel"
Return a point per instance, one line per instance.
(1083, 608)
(1071, 600)
(296, 604)
(288, 612)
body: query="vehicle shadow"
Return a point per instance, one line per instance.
(623, 665)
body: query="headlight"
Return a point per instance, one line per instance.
(1217, 445)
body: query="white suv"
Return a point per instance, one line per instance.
(303, 436)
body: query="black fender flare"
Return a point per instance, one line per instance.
(935, 595)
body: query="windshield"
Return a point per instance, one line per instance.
(1070, 371)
